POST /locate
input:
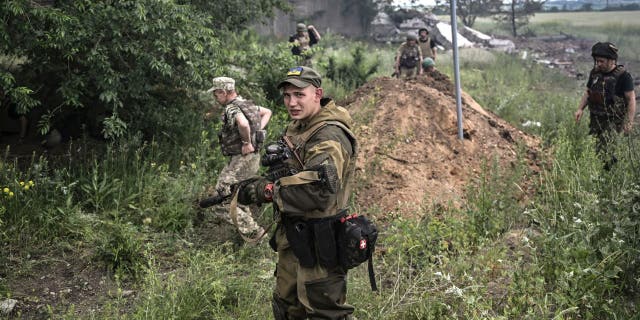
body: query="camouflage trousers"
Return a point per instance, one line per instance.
(408, 73)
(239, 168)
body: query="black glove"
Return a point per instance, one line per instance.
(257, 192)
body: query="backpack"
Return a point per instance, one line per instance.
(410, 56)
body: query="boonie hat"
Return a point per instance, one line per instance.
(223, 83)
(605, 49)
(302, 77)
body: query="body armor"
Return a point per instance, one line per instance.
(602, 97)
(229, 135)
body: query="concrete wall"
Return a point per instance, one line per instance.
(337, 16)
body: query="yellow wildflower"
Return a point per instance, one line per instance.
(193, 166)
(6, 190)
(31, 183)
(10, 193)
(26, 187)
(21, 183)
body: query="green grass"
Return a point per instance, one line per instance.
(591, 19)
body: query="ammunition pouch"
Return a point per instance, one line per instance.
(313, 241)
(408, 62)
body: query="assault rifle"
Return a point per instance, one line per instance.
(275, 158)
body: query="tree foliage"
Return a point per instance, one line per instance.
(237, 14)
(140, 65)
(517, 14)
(469, 10)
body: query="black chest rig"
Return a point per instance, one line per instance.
(602, 93)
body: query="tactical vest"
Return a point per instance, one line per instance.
(229, 135)
(409, 56)
(602, 93)
(299, 141)
(426, 48)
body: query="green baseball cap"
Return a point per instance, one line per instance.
(302, 77)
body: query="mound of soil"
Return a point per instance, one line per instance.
(410, 154)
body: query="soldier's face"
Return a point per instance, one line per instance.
(302, 103)
(423, 34)
(604, 64)
(221, 96)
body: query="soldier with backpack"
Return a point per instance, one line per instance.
(302, 41)
(611, 99)
(240, 138)
(408, 58)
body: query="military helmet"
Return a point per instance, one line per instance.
(428, 62)
(412, 37)
(301, 27)
(605, 50)
(423, 29)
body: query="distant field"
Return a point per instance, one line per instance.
(592, 19)
(576, 19)
(619, 27)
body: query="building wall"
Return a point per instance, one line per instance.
(335, 16)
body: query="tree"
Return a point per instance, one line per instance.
(518, 13)
(469, 10)
(141, 64)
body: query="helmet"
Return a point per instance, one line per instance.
(412, 37)
(605, 50)
(301, 27)
(423, 29)
(428, 62)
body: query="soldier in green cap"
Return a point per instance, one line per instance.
(302, 41)
(310, 283)
(409, 58)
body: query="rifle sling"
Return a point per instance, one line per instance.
(233, 212)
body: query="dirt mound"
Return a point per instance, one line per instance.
(410, 154)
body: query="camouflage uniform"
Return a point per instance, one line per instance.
(409, 60)
(315, 292)
(239, 167)
(301, 45)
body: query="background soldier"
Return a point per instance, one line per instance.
(240, 138)
(302, 40)
(428, 65)
(427, 44)
(408, 58)
(611, 99)
(309, 281)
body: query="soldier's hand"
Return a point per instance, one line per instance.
(578, 114)
(627, 127)
(257, 191)
(247, 149)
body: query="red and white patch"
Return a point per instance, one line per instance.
(363, 244)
